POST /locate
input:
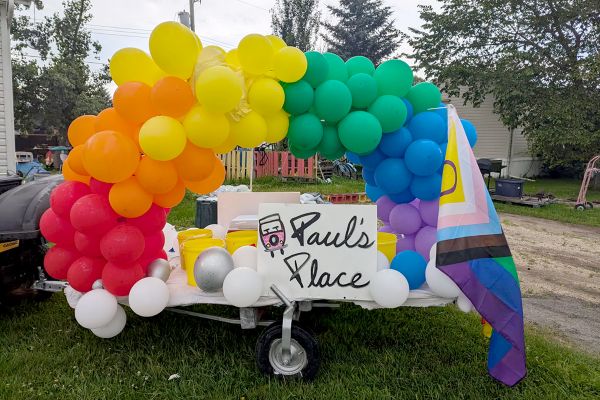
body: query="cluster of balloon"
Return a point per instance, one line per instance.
(173, 110)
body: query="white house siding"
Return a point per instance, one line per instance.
(7, 132)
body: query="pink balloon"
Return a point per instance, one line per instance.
(405, 219)
(384, 207)
(93, 215)
(155, 242)
(99, 187)
(88, 245)
(429, 211)
(56, 229)
(123, 244)
(84, 272)
(119, 279)
(405, 242)
(424, 239)
(153, 220)
(58, 260)
(145, 260)
(65, 195)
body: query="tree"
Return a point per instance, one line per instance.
(363, 28)
(54, 86)
(296, 22)
(539, 59)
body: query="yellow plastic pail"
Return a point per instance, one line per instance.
(386, 243)
(237, 239)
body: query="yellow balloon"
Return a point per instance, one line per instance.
(225, 147)
(175, 49)
(250, 131)
(276, 42)
(289, 64)
(162, 138)
(231, 58)
(277, 126)
(131, 64)
(255, 53)
(266, 96)
(205, 129)
(211, 56)
(219, 89)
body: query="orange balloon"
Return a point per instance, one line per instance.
(194, 163)
(171, 198)
(210, 183)
(156, 177)
(81, 129)
(110, 120)
(132, 102)
(129, 199)
(110, 156)
(172, 97)
(71, 175)
(76, 160)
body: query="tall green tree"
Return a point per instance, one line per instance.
(296, 22)
(539, 59)
(362, 28)
(52, 81)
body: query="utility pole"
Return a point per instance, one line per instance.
(192, 14)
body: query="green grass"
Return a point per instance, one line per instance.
(432, 353)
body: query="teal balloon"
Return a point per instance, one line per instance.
(337, 67)
(390, 111)
(298, 153)
(333, 100)
(423, 96)
(393, 77)
(331, 147)
(358, 64)
(298, 97)
(317, 69)
(363, 88)
(360, 132)
(305, 132)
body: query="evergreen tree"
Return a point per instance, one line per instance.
(296, 22)
(363, 28)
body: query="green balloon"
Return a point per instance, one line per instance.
(390, 111)
(330, 145)
(393, 77)
(298, 97)
(302, 153)
(423, 96)
(363, 88)
(360, 132)
(317, 69)
(337, 68)
(333, 100)
(358, 64)
(305, 132)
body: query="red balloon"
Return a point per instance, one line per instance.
(153, 220)
(119, 279)
(99, 187)
(58, 260)
(88, 245)
(56, 229)
(84, 272)
(155, 241)
(93, 215)
(123, 244)
(64, 195)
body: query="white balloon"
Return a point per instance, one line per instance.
(149, 296)
(382, 261)
(463, 303)
(245, 257)
(432, 252)
(218, 231)
(439, 282)
(114, 327)
(243, 287)
(96, 308)
(389, 288)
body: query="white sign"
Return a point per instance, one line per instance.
(318, 251)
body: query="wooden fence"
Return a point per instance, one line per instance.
(238, 164)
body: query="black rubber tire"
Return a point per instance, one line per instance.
(580, 207)
(589, 205)
(303, 337)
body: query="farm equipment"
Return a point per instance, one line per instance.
(592, 168)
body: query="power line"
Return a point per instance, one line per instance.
(252, 5)
(85, 61)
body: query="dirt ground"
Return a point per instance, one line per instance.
(559, 270)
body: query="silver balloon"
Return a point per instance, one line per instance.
(211, 268)
(159, 268)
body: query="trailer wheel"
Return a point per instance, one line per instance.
(580, 207)
(589, 205)
(305, 355)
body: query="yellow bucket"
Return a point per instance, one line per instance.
(237, 239)
(386, 243)
(192, 248)
(191, 234)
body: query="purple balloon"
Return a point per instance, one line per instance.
(424, 239)
(386, 228)
(405, 242)
(429, 211)
(415, 203)
(384, 207)
(405, 219)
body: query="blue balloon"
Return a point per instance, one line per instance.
(470, 131)
(426, 187)
(372, 159)
(412, 265)
(353, 157)
(428, 125)
(402, 197)
(373, 192)
(409, 109)
(392, 176)
(442, 111)
(369, 176)
(423, 157)
(443, 148)
(394, 144)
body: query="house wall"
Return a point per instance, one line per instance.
(7, 132)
